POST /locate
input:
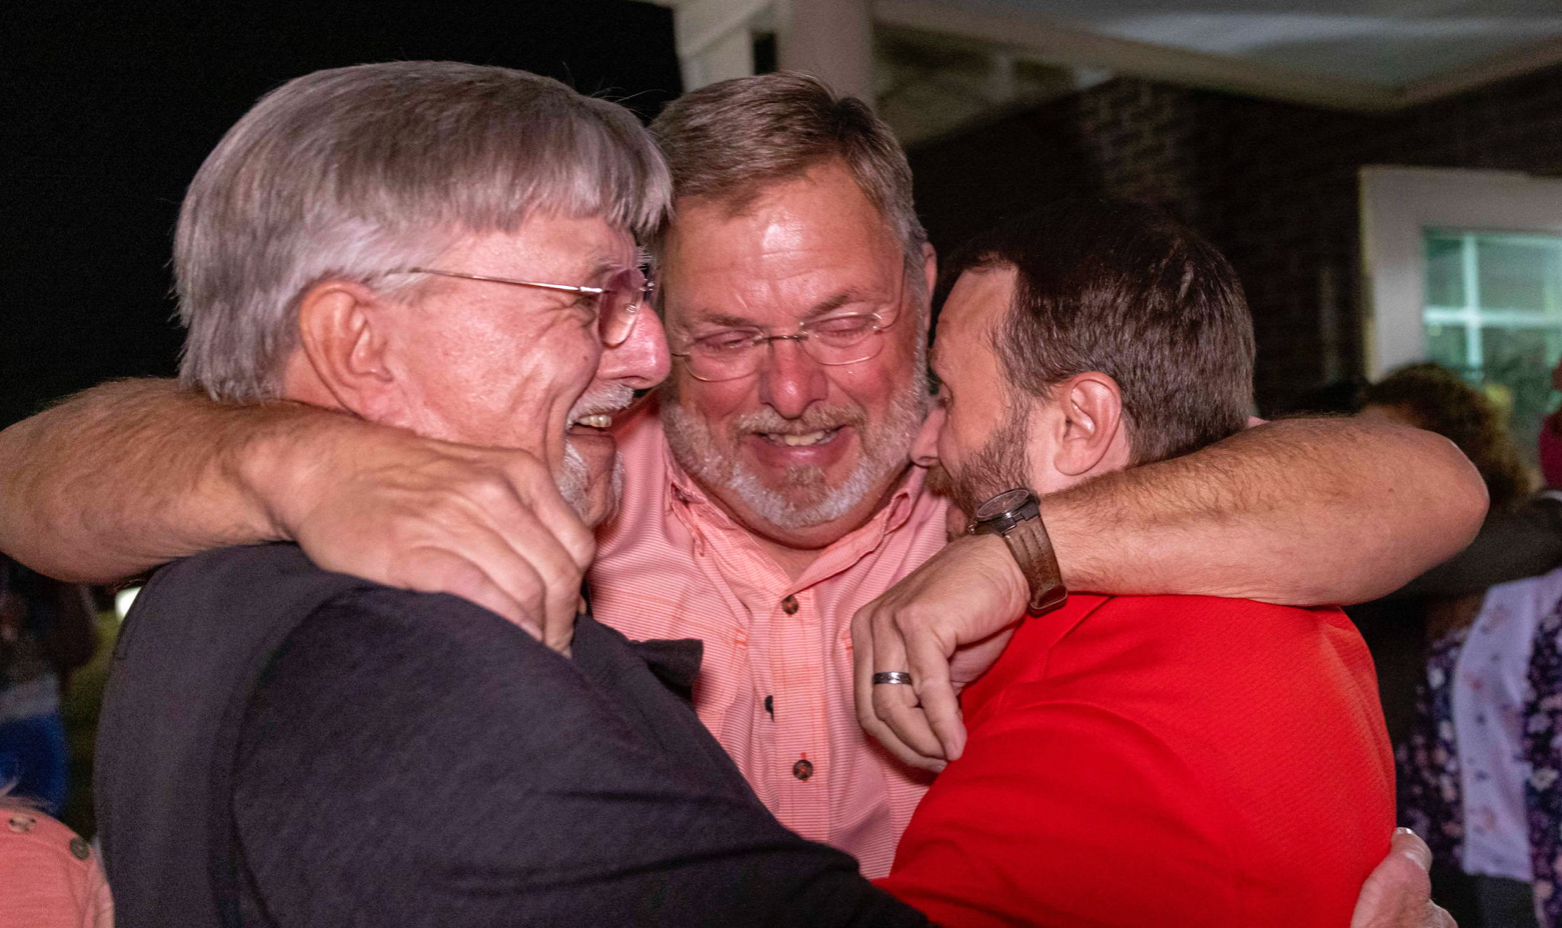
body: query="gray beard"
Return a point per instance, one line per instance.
(574, 477)
(886, 452)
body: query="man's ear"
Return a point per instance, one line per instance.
(344, 339)
(1091, 407)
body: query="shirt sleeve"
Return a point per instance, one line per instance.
(402, 768)
(49, 877)
(1065, 814)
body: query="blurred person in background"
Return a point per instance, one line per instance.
(47, 629)
(1463, 766)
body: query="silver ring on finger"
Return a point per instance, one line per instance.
(892, 676)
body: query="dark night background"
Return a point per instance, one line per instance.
(112, 110)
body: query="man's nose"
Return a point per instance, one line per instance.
(924, 450)
(789, 379)
(641, 360)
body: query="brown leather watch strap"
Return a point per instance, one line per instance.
(1032, 550)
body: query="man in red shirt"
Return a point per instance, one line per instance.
(1131, 760)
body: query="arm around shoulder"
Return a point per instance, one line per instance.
(128, 475)
(1300, 511)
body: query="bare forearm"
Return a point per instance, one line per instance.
(1303, 511)
(132, 474)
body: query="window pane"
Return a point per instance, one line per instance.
(1444, 271)
(1515, 326)
(1517, 371)
(1445, 344)
(1519, 274)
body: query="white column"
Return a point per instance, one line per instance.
(831, 39)
(715, 38)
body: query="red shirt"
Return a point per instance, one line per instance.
(1160, 760)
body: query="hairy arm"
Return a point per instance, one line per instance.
(1300, 511)
(130, 475)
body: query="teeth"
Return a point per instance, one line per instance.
(598, 421)
(812, 438)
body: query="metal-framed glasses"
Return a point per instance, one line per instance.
(737, 352)
(618, 301)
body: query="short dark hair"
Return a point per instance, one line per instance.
(1125, 289)
(728, 141)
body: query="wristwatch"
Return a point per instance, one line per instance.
(1016, 515)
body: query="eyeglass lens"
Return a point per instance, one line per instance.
(829, 347)
(625, 294)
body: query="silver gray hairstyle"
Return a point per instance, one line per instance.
(349, 173)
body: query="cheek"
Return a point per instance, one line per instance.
(953, 440)
(716, 402)
(873, 385)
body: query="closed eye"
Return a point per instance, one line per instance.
(728, 340)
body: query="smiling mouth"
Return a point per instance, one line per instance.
(596, 420)
(802, 440)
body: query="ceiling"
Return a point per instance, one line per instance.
(1390, 43)
(941, 63)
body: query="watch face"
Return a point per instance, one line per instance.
(1004, 502)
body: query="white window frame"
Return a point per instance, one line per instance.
(1398, 206)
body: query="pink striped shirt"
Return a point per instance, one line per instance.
(776, 684)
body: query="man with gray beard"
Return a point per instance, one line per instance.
(768, 488)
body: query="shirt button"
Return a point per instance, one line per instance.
(789, 606)
(80, 848)
(803, 769)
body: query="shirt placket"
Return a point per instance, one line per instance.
(802, 758)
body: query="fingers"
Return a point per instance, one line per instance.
(485, 524)
(1398, 892)
(1408, 844)
(940, 706)
(536, 487)
(544, 547)
(438, 571)
(898, 705)
(867, 697)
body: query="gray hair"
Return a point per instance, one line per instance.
(352, 172)
(728, 141)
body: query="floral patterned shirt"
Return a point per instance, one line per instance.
(1478, 773)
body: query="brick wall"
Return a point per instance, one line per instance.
(1272, 184)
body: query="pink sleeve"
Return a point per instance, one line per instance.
(52, 877)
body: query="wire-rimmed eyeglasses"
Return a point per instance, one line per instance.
(736, 352)
(619, 299)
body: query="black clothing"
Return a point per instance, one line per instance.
(1524, 543)
(351, 754)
